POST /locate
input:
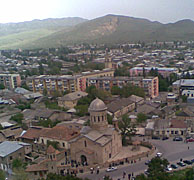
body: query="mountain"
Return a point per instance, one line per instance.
(107, 29)
(15, 35)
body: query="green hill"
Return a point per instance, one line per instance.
(108, 29)
(16, 35)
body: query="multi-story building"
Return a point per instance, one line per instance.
(183, 84)
(149, 84)
(10, 81)
(165, 72)
(65, 82)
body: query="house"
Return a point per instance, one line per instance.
(11, 133)
(70, 100)
(120, 107)
(173, 127)
(60, 134)
(136, 99)
(55, 162)
(10, 150)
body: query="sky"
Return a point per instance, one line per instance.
(164, 11)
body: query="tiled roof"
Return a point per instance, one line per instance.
(118, 104)
(73, 96)
(177, 124)
(38, 167)
(60, 133)
(34, 132)
(51, 150)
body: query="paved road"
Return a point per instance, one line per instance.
(171, 150)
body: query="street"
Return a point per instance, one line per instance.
(171, 150)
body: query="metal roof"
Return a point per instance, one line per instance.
(8, 147)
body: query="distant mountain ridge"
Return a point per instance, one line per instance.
(108, 29)
(16, 35)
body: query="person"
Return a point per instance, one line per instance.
(129, 176)
(132, 174)
(188, 147)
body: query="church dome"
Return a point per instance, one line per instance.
(97, 105)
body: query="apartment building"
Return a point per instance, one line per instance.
(165, 72)
(149, 84)
(182, 85)
(10, 81)
(64, 82)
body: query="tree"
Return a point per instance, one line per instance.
(141, 117)
(190, 174)
(82, 110)
(45, 92)
(2, 86)
(127, 129)
(17, 118)
(109, 119)
(19, 170)
(115, 90)
(2, 175)
(184, 98)
(17, 163)
(55, 144)
(157, 169)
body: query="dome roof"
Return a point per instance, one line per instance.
(97, 105)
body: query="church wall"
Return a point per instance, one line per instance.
(79, 145)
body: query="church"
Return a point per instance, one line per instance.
(98, 142)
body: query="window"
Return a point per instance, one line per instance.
(102, 118)
(63, 144)
(110, 155)
(94, 119)
(10, 158)
(98, 118)
(42, 141)
(85, 143)
(35, 173)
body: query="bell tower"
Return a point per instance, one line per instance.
(108, 60)
(98, 115)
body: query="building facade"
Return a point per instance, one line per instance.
(165, 72)
(149, 84)
(10, 81)
(98, 142)
(64, 83)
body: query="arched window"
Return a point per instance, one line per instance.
(85, 143)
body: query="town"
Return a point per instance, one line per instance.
(94, 111)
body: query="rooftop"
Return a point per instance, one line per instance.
(9, 147)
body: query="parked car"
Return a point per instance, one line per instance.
(110, 169)
(174, 166)
(156, 137)
(165, 138)
(188, 162)
(190, 140)
(147, 162)
(192, 160)
(182, 164)
(177, 139)
(146, 172)
(158, 154)
(169, 169)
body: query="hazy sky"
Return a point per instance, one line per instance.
(159, 10)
